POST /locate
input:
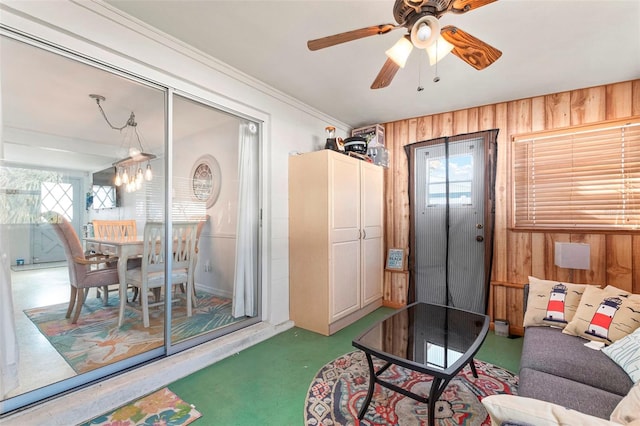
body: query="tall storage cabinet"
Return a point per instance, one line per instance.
(335, 240)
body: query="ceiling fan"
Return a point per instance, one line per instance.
(420, 18)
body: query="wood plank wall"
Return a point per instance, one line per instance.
(615, 257)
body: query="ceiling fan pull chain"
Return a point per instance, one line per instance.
(420, 88)
(436, 78)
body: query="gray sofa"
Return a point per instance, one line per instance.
(558, 368)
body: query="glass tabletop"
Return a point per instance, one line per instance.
(432, 339)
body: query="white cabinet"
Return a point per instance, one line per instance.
(335, 240)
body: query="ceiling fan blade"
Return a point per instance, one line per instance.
(332, 40)
(386, 74)
(462, 6)
(473, 51)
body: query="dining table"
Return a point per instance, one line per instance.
(125, 247)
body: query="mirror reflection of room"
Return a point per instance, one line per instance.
(77, 231)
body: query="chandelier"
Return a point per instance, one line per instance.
(129, 170)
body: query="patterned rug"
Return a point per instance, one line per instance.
(96, 340)
(340, 387)
(161, 408)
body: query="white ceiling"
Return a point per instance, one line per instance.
(548, 46)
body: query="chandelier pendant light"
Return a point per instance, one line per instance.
(129, 172)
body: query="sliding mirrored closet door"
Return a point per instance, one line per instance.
(83, 144)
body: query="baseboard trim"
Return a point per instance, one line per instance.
(394, 305)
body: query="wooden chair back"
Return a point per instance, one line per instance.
(115, 230)
(184, 240)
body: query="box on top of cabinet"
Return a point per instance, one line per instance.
(373, 133)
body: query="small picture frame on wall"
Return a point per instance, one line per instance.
(395, 259)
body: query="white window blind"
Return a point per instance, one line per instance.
(585, 178)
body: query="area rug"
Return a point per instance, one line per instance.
(96, 340)
(340, 387)
(161, 408)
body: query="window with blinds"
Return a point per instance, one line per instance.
(585, 178)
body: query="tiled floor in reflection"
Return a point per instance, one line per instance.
(40, 363)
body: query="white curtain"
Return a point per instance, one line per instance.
(247, 226)
(8, 339)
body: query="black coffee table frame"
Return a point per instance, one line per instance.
(441, 376)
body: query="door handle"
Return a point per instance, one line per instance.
(479, 238)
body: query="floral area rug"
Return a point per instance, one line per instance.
(161, 408)
(340, 387)
(96, 340)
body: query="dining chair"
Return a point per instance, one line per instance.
(150, 276)
(85, 271)
(115, 229)
(199, 227)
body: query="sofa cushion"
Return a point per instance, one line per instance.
(512, 409)
(549, 350)
(605, 315)
(626, 353)
(551, 303)
(567, 393)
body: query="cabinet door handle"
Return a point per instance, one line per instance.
(364, 234)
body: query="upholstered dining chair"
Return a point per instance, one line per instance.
(150, 276)
(85, 271)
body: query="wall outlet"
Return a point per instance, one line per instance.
(207, 266)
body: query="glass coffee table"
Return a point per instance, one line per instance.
(431, 339)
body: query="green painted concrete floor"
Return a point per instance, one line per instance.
(267, 384)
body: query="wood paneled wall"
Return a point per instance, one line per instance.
(615, 257)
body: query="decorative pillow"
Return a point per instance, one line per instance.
(628, 410)
(626, 353)
(551, 303)
(617, 290)
(604, 315)
(506, 409)
(623, 293)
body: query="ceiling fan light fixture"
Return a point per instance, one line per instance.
(422, 37)
(424, 32)
(399, 52)
(438, 50)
